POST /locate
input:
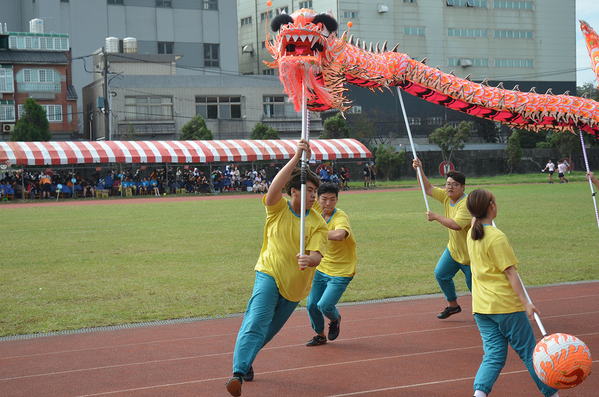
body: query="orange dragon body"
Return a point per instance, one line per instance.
(307, 50)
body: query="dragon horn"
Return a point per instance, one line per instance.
(370, 48)
(485, 82)
(566, 93)
(351, 39)
(451, 73)
(585, 95)
(549, 92)
(396, 47)
(377, 48)
(469, 77)
(384, 47)
(533, 90)
(516, 88)
(358, 42)
(364, 45)
(424, 61)
(500, 85)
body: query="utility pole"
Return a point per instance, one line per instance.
(106, 106)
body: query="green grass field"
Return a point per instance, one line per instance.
(84, 266)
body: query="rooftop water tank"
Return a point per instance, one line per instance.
(112, 45)
(36, 26)
(130, 45)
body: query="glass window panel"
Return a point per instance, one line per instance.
(142, 100)
(212, 99)
(130, 112)
(129, 100)
(225, 111)
(155, 100)
(201, 110)
(143, 113)
(212, 112)
(235, 111)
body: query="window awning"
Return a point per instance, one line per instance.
(94, 152)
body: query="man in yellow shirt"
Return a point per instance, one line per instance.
(457, 220)
(283, 276)
(336, 269)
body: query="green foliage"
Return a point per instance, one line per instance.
(388, 159)
(588, 88)
(487, 130)
(513, 151)
(263, 131)
(530, 139)
(335, 128)
(362, 128)
(196, 130)
(566, 142)
(130, 134)
(33, 125)
(450, 139)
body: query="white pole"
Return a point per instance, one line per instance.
(304, 168)
(586, 161)
(403, 109)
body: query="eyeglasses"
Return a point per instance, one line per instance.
(454, 185)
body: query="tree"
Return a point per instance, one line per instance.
(486, 130)
(588, 88)
(513, 151)
(262, 131)
(450, 139)
(388, 159)
(335, 128)
(566, 142)
(129, 134)
(33, 125)
(361, 127)
(195, 130)
(530, 139)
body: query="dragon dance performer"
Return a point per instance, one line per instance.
(457, 220)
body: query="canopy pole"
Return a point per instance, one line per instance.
(304, 169)
(586, 162)
(405, 116)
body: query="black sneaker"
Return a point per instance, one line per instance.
(317, 341)
(334, 328)
(449, 311)
(234, 385)
(249, 376)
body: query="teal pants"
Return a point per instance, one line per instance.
(497, 331)
(446, 270)
(266, 313)
(326, 292)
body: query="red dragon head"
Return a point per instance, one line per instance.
(305, 42)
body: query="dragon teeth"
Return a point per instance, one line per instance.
(303, 37)
(295, 37)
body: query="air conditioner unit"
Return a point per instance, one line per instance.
(465, 62)
(8, 127)
(382, 8)
(248, 48)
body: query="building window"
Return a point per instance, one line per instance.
(409, 1)
(39, 80)
(115, 2)
(283, 10)
(279, 107)
(513, 63)
(6, 80)
(53, 112)
(246, 21)
(413, 31)
(351, 14)
(164, 3)
(467, 3)
(474, 62)
(305, 4)
(210, 4)
(268, 72)
(513, 34)
(513, 5)
(467, 32)
(414, 121)
(149, 108)
(356, 109)
(211, 55)
(38, 43)
(222, 107)
(434, 120)
(7, 113)
(263, 16)
(165, 48)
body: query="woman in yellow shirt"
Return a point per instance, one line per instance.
(499, 303)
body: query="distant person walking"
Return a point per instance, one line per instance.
(550, 167)
(561, 170)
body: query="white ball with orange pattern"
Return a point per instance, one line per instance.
(562, 361)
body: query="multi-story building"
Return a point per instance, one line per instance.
(201, 32)
(156, 103)
(529, 43)
(37, 65)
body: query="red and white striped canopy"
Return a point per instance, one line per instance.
(90, 152)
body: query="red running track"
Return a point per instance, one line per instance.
(391, 348)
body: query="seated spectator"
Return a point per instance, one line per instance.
(108, 182)
(66, 190)
(87, 189)
(263, 187)
(247, 183)
(100, 185)
(116, 187)
(203, 184)
(226, 184)
(154, 187)
(324, 175)
(145, 185)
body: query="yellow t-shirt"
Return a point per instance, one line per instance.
(341, 258)
(460, 214)
(492, 292)
(281, 245)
